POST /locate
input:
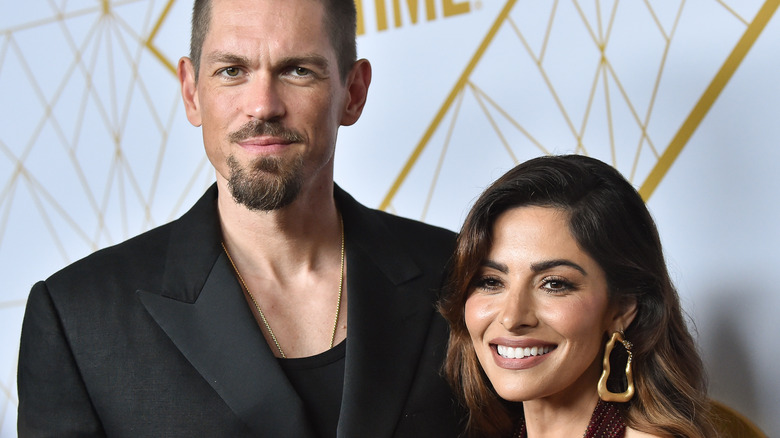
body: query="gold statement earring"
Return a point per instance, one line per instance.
(604, 393)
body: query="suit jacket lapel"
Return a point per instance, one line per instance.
(387, 324)
(203, 311)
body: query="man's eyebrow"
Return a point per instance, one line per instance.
(221, 57)
(226, 58)
(548, 264)
(303, 60)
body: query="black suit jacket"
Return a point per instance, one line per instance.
(153, 337)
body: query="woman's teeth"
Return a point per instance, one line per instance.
(520, 352)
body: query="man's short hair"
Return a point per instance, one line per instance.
(340, 22)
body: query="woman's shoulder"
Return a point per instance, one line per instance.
(633, 433)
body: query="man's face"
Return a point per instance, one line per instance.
(269, 98)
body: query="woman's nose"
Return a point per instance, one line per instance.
(518, 310)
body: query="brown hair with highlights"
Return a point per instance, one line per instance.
(609, 220)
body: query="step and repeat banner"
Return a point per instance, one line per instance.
(682, 96)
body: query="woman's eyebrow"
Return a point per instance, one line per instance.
(547, 264)
(495, 265)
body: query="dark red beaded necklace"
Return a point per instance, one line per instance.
(606, 422)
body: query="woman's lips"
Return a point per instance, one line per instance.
(519, 355)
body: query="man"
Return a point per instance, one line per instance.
(277, 306)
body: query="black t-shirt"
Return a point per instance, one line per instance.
(319, 381)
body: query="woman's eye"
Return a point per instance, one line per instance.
(488, 283)
(556, 285)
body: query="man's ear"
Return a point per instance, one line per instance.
(189, 90)
(624, 315)
(358, 80)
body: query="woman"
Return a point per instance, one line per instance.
(559, 298)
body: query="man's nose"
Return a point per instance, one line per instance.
(264, 98)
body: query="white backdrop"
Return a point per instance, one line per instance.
(95, 148)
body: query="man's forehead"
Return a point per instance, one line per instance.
(268, 31)
(306, 17)
(269, 8)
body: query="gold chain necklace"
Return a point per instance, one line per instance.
(260, 311)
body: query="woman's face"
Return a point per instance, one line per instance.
(538, 308)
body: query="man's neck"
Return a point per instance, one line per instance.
(290, 262)
(291, 238)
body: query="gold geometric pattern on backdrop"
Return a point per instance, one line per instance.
(89, 74)
(583, 34)
(92, 92)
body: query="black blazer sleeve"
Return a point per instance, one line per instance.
(53, 400)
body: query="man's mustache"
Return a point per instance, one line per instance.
(257, 128)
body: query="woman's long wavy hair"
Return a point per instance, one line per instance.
(611, 223)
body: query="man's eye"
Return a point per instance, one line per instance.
(231, 71)
(301, 71)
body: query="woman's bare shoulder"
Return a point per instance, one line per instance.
(633, 433)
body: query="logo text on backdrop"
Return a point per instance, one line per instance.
(413, 8)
